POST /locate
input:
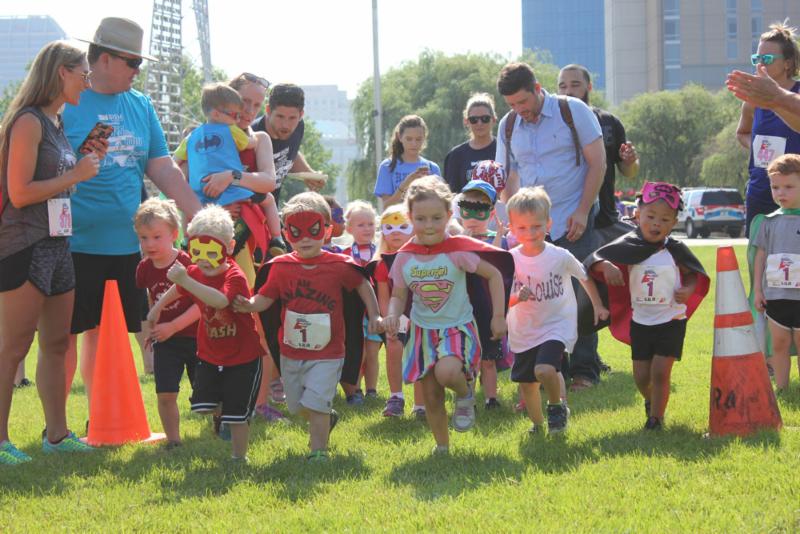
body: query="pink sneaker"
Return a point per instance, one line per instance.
(270, 414)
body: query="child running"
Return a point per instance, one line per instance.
(654, 285)
(229, 371)
(174, 337)
(395, 232)
(443, 349)
(776, 277)
(542, 318)
(309, 284)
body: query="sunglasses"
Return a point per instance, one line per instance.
(235, 115)
(252, 78)
(132, 62)
(87, 76)
(766, 59)
(485, 119)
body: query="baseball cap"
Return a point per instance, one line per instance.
(484, 187)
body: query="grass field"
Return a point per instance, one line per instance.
(605, 474)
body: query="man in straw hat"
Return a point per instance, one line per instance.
(104, 244)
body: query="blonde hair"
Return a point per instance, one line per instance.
(530, 200)
(41, 87)
(786, 164)
(219, 95)
(308, 201)
(157, 209)
(786, 36)
(394, 208)
(357, 207)
(479, 99)
(214, 221)
(426, 188)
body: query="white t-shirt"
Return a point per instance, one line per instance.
(551, 313)
(653, 283)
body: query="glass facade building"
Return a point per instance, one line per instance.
(21, 38)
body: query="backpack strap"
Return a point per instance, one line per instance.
(511, 119)
(566, 115)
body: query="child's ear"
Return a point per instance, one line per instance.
(231, 246)
(549, 225)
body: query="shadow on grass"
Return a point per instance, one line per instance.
(554, 454)
(396, 429)
(434, 477)
(616, 390)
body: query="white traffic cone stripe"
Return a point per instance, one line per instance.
(735, 341)
(730, 296)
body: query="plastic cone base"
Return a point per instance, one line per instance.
(742, 400)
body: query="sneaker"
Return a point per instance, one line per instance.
(440, 450)
(24, 383)
(491, 404)
(536, 429)
(395, 407)
(10, 455)
(320, 455)
(222, 430)
(276, 390)
(334, 420)
(520, 406)
(356, 399)
(605, 368)
(653, 423)
(372, 394)
(270, 414)
(647, 409)
(69, 444)
(239, 460)
(557, 415)
(419, 414)
(172, 445)
(276, 247)
(464, 414)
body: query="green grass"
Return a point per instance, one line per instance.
(605, 474)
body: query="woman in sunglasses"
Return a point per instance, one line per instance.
(763, 131)
(479, 119)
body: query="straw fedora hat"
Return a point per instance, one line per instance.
(121, 35)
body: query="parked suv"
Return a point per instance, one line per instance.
(711, 209)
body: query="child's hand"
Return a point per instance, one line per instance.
(375, 325)
(600, 314)
(501, 232)
(524, 294)
(177, 273)
(391, 325)
(242, 304)
(758, 300)
(682, 294)
(612, 274)
(498, 327)
(162, 332)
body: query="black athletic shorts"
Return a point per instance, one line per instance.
(234, 387)
(660, 339)
(548, 353)
(170, 358)
(47, 264)
(91, 273)
(784, 312)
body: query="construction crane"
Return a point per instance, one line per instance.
(164, 77)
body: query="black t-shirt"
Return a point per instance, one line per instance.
(284, 151)
(460, 161)
(613, 138)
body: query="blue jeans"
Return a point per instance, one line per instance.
(584, 362)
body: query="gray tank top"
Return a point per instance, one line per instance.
(22, 227)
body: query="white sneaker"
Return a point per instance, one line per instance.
(464, 414)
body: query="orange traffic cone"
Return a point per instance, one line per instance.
(742, 400)
(116, 409)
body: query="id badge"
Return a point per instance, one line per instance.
(59, 217)
(766, 148)
(308, 331)
(783, 271)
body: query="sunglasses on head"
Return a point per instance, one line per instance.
(252, 78)
(766, 59)
(235, 115)
(485, 119)
(132, 62)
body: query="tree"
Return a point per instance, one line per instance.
(318, 158)
(437, 88)
(725, 161)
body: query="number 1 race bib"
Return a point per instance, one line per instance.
(783, 270)
(59, 217)
(652, 284)
(308, 331)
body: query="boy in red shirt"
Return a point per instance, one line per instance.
(228, 373)
(309, 283)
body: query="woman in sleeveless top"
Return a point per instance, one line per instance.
(762, 131)
(37, 171)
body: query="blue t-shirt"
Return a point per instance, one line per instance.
(388, 181)
(210, 149)
(103, 207)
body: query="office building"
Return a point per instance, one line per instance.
(21, 38)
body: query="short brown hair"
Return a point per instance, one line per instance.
(515, 77)
(219, 95)
(426, 188)
(308, 201)
(786, 164)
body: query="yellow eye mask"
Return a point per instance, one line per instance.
(207, 248)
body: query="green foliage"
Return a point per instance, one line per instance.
(605, 474)
(318, 158)
(724, 161)
(9, 92)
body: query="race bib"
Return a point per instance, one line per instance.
(308, 331)
(59, 217)
(652, 284)
(766, 148)
(783, 270)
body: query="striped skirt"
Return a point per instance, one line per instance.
(425, 346)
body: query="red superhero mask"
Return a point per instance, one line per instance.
(308, 224)
(211, 249)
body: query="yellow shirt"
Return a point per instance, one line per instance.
(240, 139)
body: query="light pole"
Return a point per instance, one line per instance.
(376, 81)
